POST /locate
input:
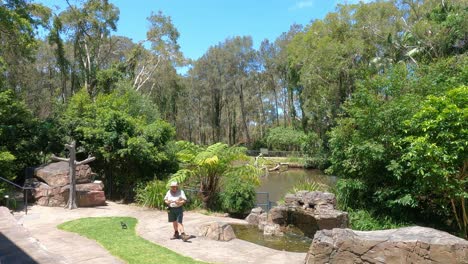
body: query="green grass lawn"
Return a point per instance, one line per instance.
(123, 243)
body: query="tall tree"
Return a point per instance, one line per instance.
(18, 20)
(89, 27)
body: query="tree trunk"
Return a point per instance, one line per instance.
(276, 103)
(244, 115)
(72, 195)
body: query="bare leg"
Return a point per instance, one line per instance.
(174, 224)
(181, 228)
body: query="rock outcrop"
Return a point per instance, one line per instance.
(308, 211)
(403, 245)
(217, 231)
(54, 187)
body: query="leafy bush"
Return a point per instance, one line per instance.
(316, 155)
(350, 193)
(238, 196)
(123, 130)
(365, 221)
(435, 157)
(21, 137)
(152, 194)
(285, 138)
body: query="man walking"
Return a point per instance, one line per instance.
(176, 199)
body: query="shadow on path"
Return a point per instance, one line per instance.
(10, 253)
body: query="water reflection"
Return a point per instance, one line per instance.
(277, 184)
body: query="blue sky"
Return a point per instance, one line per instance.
(204, 23)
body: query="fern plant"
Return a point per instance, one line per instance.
(205, 167)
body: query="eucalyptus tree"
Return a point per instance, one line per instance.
(267, 53)
(240, 65)
(289, 88)
(18, 43)
(208, 72)
(435, 29)
(164, 52)
(88, 28)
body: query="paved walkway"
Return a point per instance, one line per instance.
(18, 246)
(152, 225)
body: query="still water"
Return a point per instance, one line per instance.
(291, 241)
(277, 183)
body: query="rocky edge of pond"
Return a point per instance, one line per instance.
(315, 215)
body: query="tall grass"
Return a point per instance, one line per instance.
(365, 221)
(152, 194)
(310, 185)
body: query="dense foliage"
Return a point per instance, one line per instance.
(24, 141)
(123, 131)
(285, 138)
(434, 158)
(212, 170)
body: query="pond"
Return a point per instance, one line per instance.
(291, 241)
(278, 183)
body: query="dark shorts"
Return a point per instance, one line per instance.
(175, 214)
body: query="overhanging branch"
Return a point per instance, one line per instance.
(87, 160)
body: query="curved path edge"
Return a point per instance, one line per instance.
(41, 222)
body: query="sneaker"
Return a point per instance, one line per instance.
(184, 237)
(175, 236)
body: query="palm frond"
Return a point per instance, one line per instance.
(187, 151)
(180, 176)
(211, 151)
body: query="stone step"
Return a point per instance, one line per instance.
(18, 246)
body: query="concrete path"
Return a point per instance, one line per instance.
(18, 246)
(153, 226)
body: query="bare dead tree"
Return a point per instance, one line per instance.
(71, 204)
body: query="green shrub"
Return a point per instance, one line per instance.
(316, 155)
(152, 194)
(238, 196)
(285, 138)
(349, 193)
(366, 221)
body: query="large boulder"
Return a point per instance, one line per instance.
(217, 231)
(57, 173)
(54, 189)
(403, 245)
(88, 194)
(46, 195)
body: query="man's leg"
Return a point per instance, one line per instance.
(184, 236)
(176, 232)
(173, 218)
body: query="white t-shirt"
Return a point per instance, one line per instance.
(173, 197)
